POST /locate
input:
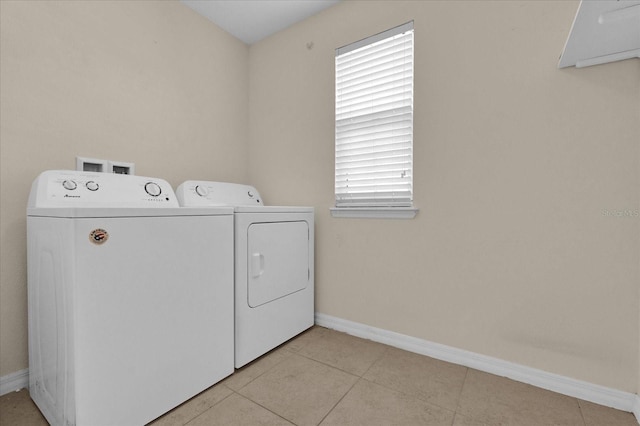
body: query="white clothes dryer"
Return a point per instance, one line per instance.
(274, 265)
(130, 298)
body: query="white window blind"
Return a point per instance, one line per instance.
(374, 121)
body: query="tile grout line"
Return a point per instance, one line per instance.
(338, 368)
(260, 405)
(409, 395)
(464, 382)
(360, 377)
(200, 414)
(291, 353)
(340, 400)
(584, 421)
(234, 391)
(382, 354)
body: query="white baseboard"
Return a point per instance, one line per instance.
(554, 382)
(14, 381)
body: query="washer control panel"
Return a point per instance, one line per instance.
(198, 193)
(71, 188)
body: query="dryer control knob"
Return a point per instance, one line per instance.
(69, 184)
(153, 189)
(202, 191)
(92, 186)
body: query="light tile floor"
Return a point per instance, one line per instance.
(324, 377)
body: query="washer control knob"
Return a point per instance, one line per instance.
(69, 184)
(250, 194)
(92, 186)
(153, 189)
(202, 191)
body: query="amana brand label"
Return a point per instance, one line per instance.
(98, 236)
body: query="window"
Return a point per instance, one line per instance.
(374, 124)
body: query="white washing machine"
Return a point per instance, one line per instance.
(130, 298)
(274, 258)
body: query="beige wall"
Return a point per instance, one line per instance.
(147, 82)
(517, 163)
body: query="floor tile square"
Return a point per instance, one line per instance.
(425, 378)
(370, 404)
(237, 410)
(497, 400)
(306, 337)
(255, 369)
(597, 415)
(193, 407)
(301, 390)
(17, 408)
(340, 350)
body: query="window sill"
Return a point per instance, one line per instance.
(375, 212)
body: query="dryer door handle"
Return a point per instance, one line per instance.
(257, 264)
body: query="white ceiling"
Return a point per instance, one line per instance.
(253, 20)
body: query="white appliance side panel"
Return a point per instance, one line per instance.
(50, 318)
(278, 260)
(260, 329)
(154, 314)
